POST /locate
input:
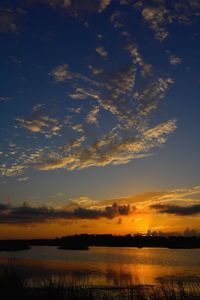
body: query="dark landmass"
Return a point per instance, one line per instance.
(13, 246)
(74, 247)
(83, 241)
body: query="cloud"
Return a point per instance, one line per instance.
(131, 138)
(95, 71)
(22, 179)
(159, 15)
(179, 10)
(178, 197)
(111, 149)
(92, 116)
(160, 132)
(156, 18)
(116, 19)
(14, 169)
(72, 144)
(174, 60)
(54, 3)
(149, 98)
(117, 93)
(26, 214)
(104, 4)
(77, 7)
(174, 201)
(75, 110)
(79, 94)
(146, 69)
(102, 52)
(82, 93)
(17, 159)
(120, 98)
(61, 73)
(7, 21)
(177, 210)
(78, 128)
(185, 11)
(38, 122)
(4, 99)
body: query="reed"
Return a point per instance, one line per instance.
(13, 285)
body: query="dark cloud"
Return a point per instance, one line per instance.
(177, 210)
(27, 214)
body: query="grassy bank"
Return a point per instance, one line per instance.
(13, 285)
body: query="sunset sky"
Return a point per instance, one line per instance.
(99, 117)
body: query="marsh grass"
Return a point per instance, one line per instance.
(14, 285)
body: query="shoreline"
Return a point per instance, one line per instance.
(84, 241)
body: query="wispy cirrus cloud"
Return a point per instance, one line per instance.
(95, 70)
(116, 19)
(159, 15)
(127, 94)
(61, 73)
(72, 144)
(38, 122)
(77, 6)
(104, 4)
(150, 97)
(156, 17)
(130, 138)
(13, 169)
(178, 197)
(4, 99)
(146, 68)
(111, 149)
(92, 116)
(174, 60)
(102, 52)
(22, 179)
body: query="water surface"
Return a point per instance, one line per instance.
(105, 265)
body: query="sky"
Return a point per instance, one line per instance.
(99, 117)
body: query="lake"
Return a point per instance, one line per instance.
(106, 266)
